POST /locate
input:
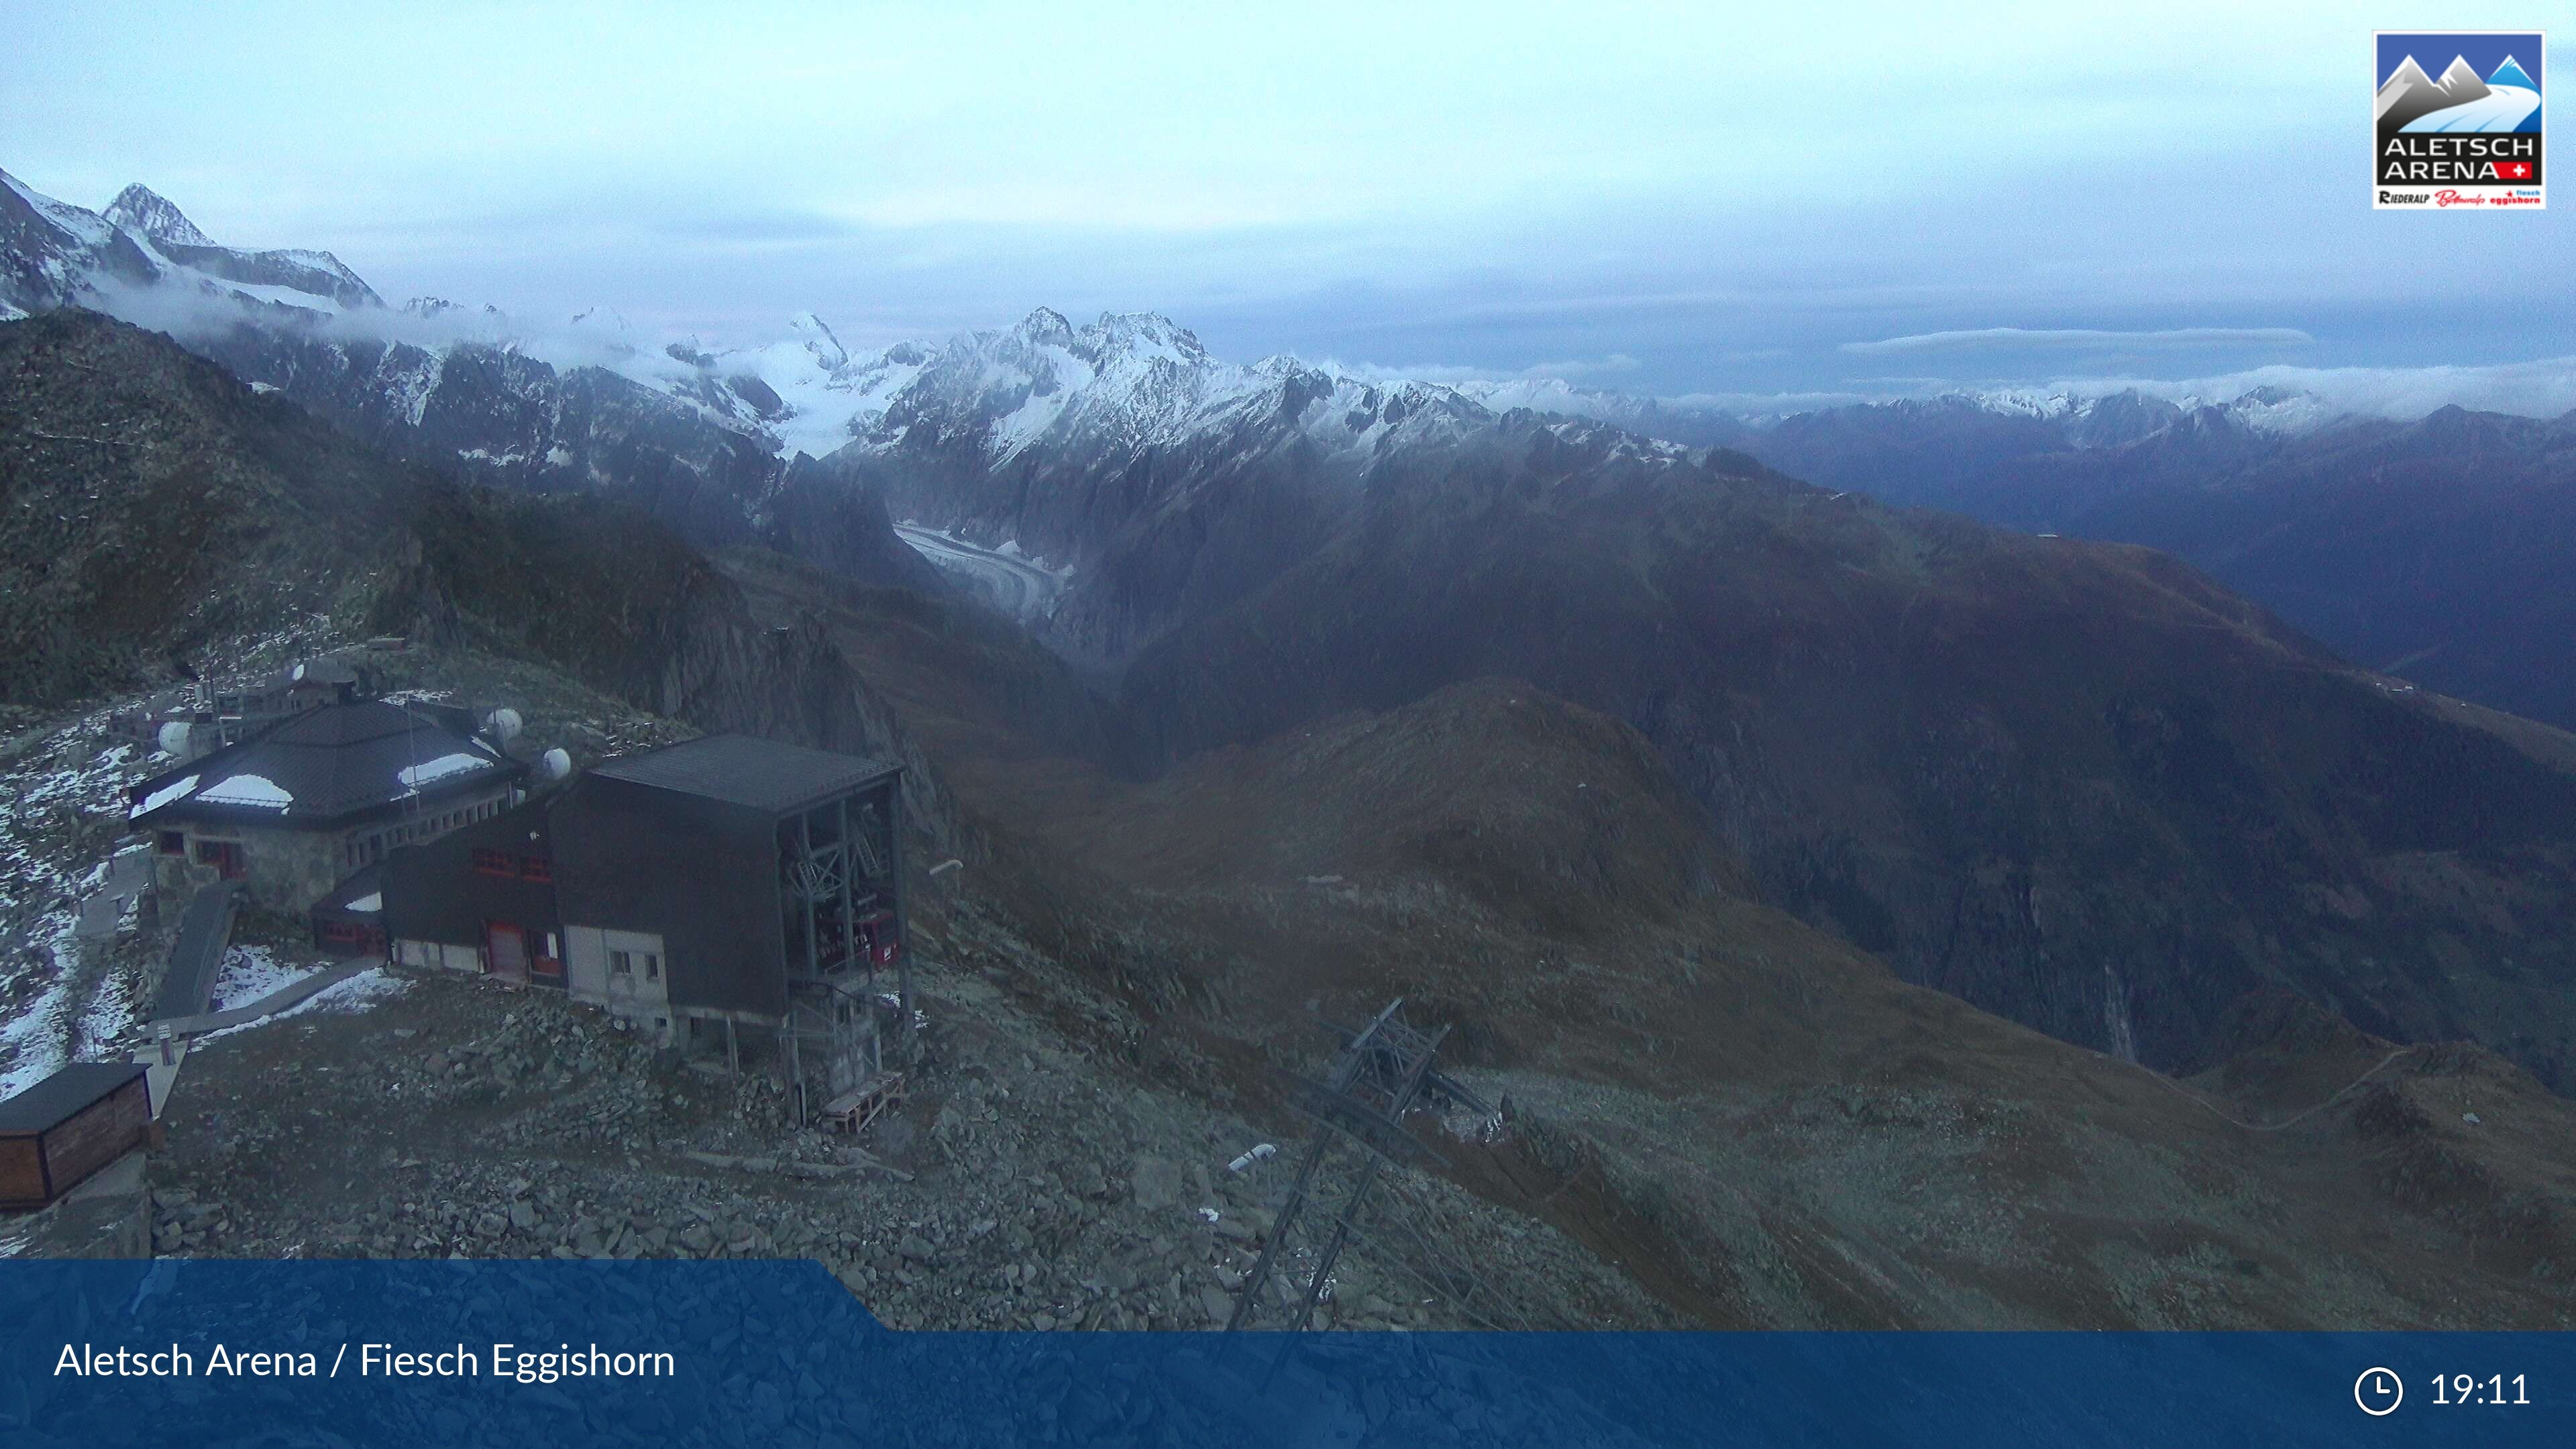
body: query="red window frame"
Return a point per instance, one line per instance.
(538, 868)
(494, 862)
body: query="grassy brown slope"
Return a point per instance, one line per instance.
(2078, 785)
(1764, 1123)
(1757, 1122)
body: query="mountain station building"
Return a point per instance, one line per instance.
(320, 793)
(697, 892)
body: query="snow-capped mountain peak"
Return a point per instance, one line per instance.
(1044, 327)
(826, 349)
(1139, 334)
(139, 208)
(2461, 80)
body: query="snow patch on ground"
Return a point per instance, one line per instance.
(252, 972)
(51, 795)
(35, 1042)
(369, 988)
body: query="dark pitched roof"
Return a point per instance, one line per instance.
(50, 1102)
(325, 764)
(740, 770)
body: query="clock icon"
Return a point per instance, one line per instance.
(2379, 1391)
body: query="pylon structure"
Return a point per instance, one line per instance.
(1383, 1072)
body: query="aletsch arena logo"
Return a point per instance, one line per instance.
(2465, 136)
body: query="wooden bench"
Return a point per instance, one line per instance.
(853, 1110)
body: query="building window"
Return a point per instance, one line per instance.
(494, 862)
(652, 967)
(536, 868)
(225, 856)
(620, 964)
(173, 843)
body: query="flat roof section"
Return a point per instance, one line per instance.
(60, 1097)
(766, 775)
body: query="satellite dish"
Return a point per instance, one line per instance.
(556, 764)
(174, 739)
(504, 724)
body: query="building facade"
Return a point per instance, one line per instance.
(318, 794)
(722, 886)
(480, 899)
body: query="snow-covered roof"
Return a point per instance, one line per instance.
(328, 764)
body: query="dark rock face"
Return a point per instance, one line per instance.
(837, 521)
(619, 603)
(47, 256)
(2430, 549)
(154, 505)
(2078, 785)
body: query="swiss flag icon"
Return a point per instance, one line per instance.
(2514, 170)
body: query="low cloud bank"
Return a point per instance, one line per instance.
(2078, 338)
(2542, 388)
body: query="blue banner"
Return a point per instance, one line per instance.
(572, 1354)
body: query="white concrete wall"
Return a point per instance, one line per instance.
(642, 997)
(586, 964)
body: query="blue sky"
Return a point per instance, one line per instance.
(1669, 199)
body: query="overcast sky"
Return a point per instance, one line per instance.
(1666, 199)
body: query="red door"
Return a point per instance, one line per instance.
(505, 950)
